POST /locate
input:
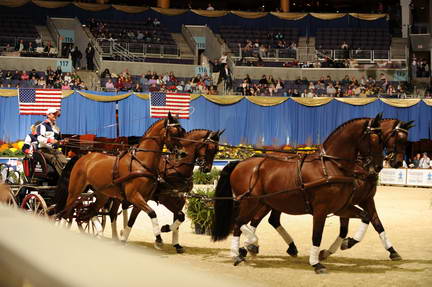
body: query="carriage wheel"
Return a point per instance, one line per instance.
(90, 227)
(12, 201)
(35, 204)
(7, 196)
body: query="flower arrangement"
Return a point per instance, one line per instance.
(243, 151)
(11, 149)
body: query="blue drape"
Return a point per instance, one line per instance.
(244, 121)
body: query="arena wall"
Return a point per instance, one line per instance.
(27, 63)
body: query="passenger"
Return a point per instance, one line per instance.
(30, 141)
(49, 137)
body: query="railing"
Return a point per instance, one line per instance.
(272, 53)
(109, 49)
(54, 32)
(191, 42)
(366, 55)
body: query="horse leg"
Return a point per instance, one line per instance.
(100, 202)
(343, 231)
(113, 217)
(369, 205)
(319, 218)
(124, 234)
(175, 205)
(125, 206)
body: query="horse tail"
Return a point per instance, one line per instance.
(63, 185)
(224, 208)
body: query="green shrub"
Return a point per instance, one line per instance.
(200, 210)
(206, 178)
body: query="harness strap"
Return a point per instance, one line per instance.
(300, 162)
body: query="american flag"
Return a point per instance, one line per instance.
(162, 103)
(37, 101)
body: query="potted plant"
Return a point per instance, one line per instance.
(200, 210)
(206, 178)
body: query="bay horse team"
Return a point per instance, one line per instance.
(334, 180)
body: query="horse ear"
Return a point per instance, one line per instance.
(408, 125)
(170, 117)
(221, 132)
(376, 121)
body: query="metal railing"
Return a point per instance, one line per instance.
(269, 54)
(367, 55)
(54, 32)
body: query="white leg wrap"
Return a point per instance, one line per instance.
(235, 245)
(175, 225)
(385, 241)
(250, 236)
(361, 231)
(97, 225)
(156, 228)
(125, 217)
(114, 229)
(313, 256)
(336, 245)
(284, 234)
(175, 237)
(124, 234)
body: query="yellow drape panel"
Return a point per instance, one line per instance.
(130, 9)
(205, 13)
(312, 102)
(405, 103)
(169, 12)
(249, 15)
(67, 93)
(92, 7)
(195, 96)
(267, 101)
(368, 17)
(289, 16)
(13, 3)
(142, 96)
(356, 101)
(8, 92)
(328, 16)
(428, 102)
(99, 98)
(49, 4)
(223, 100)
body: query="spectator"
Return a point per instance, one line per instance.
(106, 74)
(19, 46)
(210, 7)
(109, 85)
(90, 52)
(76, 56)
(415, 161)
(424, 161)
(331, 91)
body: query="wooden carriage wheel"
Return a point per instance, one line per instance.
(35, 204)
(89, 226)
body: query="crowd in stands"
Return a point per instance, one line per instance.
(326, 86)
(154, 82)
(31, 49)
(417, 161)
(420, 68)
(50, 79)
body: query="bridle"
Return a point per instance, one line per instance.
(367, 159)
(201, 161)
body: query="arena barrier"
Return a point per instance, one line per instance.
(35, 252)
(406, 176)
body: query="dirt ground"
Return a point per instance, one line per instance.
(406, 214)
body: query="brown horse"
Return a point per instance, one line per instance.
(6, 195)
(317, 184)
(130, 176)
(395, 136)
(201, 146)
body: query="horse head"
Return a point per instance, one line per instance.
(173, 132)
(371, 146)
(395, 140)
(207, 150)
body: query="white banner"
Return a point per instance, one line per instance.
(393, 176)
(419, 177)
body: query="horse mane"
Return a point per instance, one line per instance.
(341, 126)
(197, 130)
(151, 126)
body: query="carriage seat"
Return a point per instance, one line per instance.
(36, 166)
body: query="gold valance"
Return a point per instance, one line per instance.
(67, 93)
(249, 15)
(356, 101)
(205, 13)
(92, 7)
(312, 102)
(328, 16)
(169, 12)
(428, 102)
(99, 98)
(267, 101)
(142, 96)
(289, 16)
(8, 92)
(51, 4)
(13, 3)
(223, 100)
(369, 17)
(130, 9)
(401, 103)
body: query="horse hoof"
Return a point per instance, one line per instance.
(242, 252)
(253, 249)
(395, 256)
(179, 249)
(238, 260)
(319, 268)
(165, 228)
(158, 244)
(324, 254)
(292, 250)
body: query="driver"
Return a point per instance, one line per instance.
(49, 136)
